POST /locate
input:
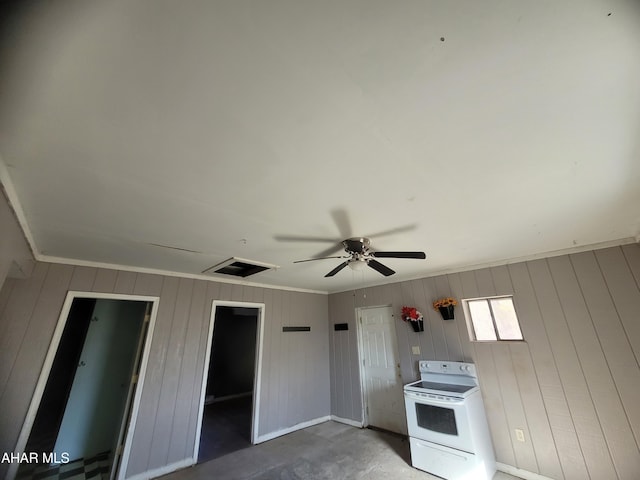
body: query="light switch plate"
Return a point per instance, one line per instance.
(415, 350)
(519, 435)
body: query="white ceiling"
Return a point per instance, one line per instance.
(485, 131)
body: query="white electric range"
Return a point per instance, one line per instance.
(448, 430)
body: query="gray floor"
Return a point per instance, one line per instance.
(226, 428)
(327, 451)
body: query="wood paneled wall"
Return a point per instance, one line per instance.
(295, 372)
(573, 386)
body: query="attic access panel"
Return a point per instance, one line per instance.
(239, 267)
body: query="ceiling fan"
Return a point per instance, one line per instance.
(359, 253)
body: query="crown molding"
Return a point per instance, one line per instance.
(170, 273)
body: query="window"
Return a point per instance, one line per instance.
(492, 319)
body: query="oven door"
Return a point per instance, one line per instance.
(438, 419)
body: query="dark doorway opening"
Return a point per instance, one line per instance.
(82, 416)
(228, 408)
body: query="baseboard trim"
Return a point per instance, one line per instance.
(158, 472)
(298, 426)
(517, 472)
(347, 421)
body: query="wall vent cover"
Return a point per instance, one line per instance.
(239, 267)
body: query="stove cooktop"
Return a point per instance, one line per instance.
(450, 389)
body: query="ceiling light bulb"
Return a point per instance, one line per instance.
(357, 264)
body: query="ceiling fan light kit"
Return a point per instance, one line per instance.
(357, 264)
(359, 254)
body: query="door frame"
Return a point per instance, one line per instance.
(361, 371)
(257, 370)
(48, 362)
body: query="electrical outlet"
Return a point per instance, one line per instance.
(415, 350)
(519, 435)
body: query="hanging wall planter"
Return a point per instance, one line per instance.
(418, 325)
(445, 306)
(447, 312)
(414, 317)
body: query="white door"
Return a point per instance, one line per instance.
(381, 379)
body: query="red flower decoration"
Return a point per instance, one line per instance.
(411, 314)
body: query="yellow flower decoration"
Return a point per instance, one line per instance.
(444, 302)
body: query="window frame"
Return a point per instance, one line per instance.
(471, 327)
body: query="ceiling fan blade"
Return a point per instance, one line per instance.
(406, 228)
(319, 258)
(296, 238)
(331, 250)
(337, 269)
(420, 255)
(377, 266)
(341, 219)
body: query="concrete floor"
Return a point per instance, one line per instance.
(327, 451)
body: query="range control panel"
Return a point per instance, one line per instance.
(442, 398)
(448, 368)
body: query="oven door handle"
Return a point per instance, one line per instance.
(433, 401)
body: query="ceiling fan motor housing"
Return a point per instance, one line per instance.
(357, 245)
(360, 253)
